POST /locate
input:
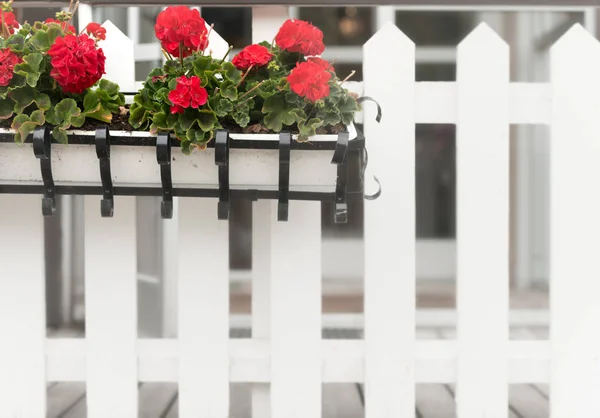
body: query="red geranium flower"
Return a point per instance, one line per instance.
(8, 60)
(326, 65)
(187, 93)
(310, 80)
(95, 30)
(253, 55)
(180, 25)
(63, 25)
(300, 36)
(76, 62)
(10, 21)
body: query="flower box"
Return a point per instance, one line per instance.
(254, 166)
(274, 122)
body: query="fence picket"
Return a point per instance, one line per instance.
(389, 73)
(203, 316)
(263, 212)
(111, 309)
(296, 312)
(22, 307)
(574, 226)
(482, 225)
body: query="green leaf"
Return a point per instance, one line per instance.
(206, 119)
(348, 107)
(278, 113)
(160, 120)
(30, 68)
(138, 115)
(40, 40)
(16, 43)
(24, 124)
(42, 100)
(231, 72)
(185, 146)
(229, 90)
(23, 97)
(330, 116)
(91, 102)
(241, 118)
(308, 128)
(202, 64)
(103, 115)
(186, 119)
(54, 31)
(6, 108)
(60, 135)
(220, 105)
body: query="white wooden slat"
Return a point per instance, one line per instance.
(203, 310)
(296, 312)
(22, 307)
(389, 300)
(482, 225)
(433, 401)
(119, 51)
(342, 400)
(263, 212)
(111, 309)
(574, 226)
(342, 361)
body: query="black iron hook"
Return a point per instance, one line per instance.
(107, 204)
(285, 145)
(163, 157)
(340, 157)
(222, 161)
(42, 151)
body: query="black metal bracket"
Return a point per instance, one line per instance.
(366, 154)
(107, 204)
(42, 151)
(163, 157)
(222, 161)
(283, 205)
(340, 158)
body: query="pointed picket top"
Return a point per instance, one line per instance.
(389, 36)
(577, 48)
(575, 39)
(217, 46)
(120, 61)
(482, 38)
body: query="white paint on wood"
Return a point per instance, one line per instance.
(111, 309)
(119, 52)
(203, 310)
(263, 213)
(266, 21)
(482, 225)
(390, 228)
(342, 361)
(217, 46)
(22, 307)
(574, 226)
(296, 312)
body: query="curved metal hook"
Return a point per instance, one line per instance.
(362, 178)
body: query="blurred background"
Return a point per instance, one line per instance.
(436, 31)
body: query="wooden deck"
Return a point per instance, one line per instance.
(159, 400)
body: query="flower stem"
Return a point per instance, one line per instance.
(227, 53)
(244, 76)
(348, 78)
(244, 102)
(4, 27)
(251, 90)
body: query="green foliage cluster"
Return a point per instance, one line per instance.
(257, 100)
(33, 98)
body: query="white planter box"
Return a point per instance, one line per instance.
(136, 166)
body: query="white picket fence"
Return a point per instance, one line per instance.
(287, 359)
